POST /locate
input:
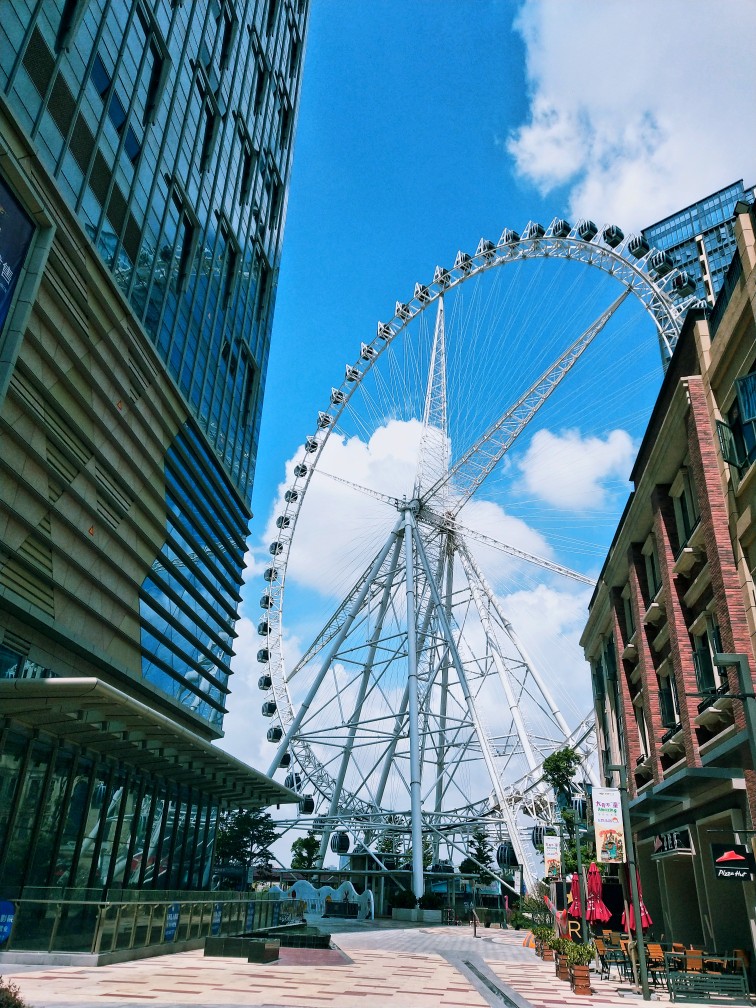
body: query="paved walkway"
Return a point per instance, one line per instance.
(371, 967)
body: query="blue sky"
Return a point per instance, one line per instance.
(426, 124)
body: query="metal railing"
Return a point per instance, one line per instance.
(101, 926)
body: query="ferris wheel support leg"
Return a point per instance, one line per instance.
(532, 668)
(478, 589)
(556, 713)
(357, 713)
(441, 750)
(388, 757)
(418, 883)
(335, 645)
(485, 744)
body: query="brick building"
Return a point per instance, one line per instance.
(676, 589)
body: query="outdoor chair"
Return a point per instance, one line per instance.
(655, 962)
(744, 960)
(602, 953)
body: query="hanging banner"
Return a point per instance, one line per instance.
(607, 823)
(551, 857)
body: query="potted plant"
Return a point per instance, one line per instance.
(542, 934)
(561, 947)
(580, 958)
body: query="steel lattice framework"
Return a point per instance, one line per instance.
(438, 720)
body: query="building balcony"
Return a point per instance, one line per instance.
(673, 741)
(687, 560)
(654, 613)
(715, 710)
(699, 586)
(661, 640)
(630, 651)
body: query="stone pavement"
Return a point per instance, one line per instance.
(370, 967)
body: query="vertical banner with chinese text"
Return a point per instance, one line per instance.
(607, 823)
(551, 857)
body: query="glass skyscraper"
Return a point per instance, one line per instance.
(701, 238)
(145, 153)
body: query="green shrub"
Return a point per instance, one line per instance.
(431, 901)
(404, 899)
(518, 920)
(10, 996)
(562, 946)
(543, 933)
(580, 955)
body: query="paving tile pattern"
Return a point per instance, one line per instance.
(439, 967)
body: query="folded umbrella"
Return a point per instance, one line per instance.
(595, 908)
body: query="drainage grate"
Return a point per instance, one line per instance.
(490, 984)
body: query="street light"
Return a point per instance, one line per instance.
(746, 695)
(635, 898)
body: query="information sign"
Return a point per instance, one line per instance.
(171, 921)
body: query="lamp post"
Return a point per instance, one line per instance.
(635, 898)
(746, 696)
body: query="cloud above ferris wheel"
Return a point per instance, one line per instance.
(574, 472)
(636, 109)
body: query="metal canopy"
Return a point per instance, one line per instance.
(96, 716)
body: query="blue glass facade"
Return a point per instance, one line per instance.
(701, 238)
(188, 603)
(167, 126)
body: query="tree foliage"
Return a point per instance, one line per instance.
(244, 839)
(480, 853)
(559, 769)
(304, 852)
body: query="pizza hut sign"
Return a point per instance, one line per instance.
(732, 861)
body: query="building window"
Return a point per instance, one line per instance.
(653, 578)
(640, 722)
(271, 19)
(117, 112)
(668, 705)
(685, 501)
(705, 646)
(627, 611)
(262, 80)
(737, 438)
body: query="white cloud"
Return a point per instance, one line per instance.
(638, 108)
(573, 472)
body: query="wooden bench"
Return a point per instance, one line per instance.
(694, 985)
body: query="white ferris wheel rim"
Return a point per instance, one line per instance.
(651, 291)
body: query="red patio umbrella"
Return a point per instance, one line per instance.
(645, 916)
(575, 908)
(595, 908)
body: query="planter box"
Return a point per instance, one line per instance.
(580, 979)
(418, 916)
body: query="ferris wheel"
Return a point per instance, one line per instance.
(447, 489)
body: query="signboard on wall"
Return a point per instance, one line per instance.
(732, 862)
(551, 857)
(607, 824)
(7, 912)
(16, 230)
(675, 842)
